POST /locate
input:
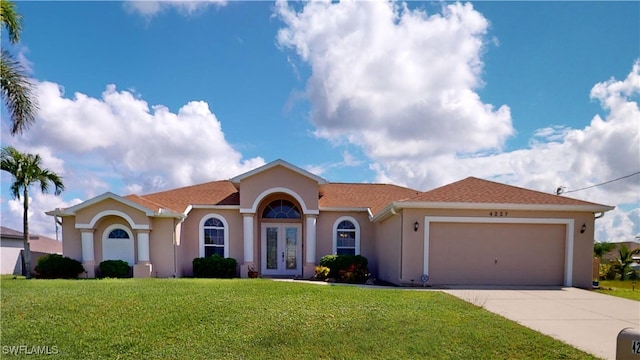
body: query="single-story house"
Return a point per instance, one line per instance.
(12, 246)
(281, 219)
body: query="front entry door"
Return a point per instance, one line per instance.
(281, 249)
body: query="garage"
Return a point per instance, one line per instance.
(490, 251)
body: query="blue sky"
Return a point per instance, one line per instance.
(144, 96)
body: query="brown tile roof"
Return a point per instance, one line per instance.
(373, 196)
(474, 190)
(211, 193)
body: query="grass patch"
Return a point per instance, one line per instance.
(257, 319)
(619, 288)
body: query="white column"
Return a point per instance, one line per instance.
(87, 246)
(311, 239)
(247, 233)
(143, 247)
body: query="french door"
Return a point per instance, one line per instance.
(281, 249)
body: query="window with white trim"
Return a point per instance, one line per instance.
(346, 236)
(213, 234)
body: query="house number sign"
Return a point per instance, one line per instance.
(498, 213)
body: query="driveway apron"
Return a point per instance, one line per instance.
(584, 319)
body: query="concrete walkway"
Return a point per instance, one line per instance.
(585, 319)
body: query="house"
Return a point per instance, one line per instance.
(12, 245)
(613, 255)
(282, 219)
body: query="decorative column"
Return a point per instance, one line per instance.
(88, 258)
(247, 240)
(310, 262)
(143, 267)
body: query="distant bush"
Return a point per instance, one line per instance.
(115, 269)
(215, 266)
(346, 268)
(56, 266)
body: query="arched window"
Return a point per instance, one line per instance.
(281, 209)
(346, 236)
(214, 236)
(117, 244)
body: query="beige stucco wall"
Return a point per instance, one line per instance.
(190, 231)
(387, 249)
(278, 177)
(161, 249)
(85, 215)
(71, 240)
(413, 242)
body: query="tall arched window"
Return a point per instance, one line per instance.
(346, 236)
(281, 209)
(214, 236)
(117, 244)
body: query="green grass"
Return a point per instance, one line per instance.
(256, 319)
(619, 288)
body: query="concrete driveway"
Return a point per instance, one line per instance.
(585, 319)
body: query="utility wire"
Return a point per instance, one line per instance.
(604, 183)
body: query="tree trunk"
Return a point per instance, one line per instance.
(25, 233)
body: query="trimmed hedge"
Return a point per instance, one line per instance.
(56, 266)
(114, 269)
(215, 266)
(346, 268)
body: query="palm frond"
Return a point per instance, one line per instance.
(17, 93)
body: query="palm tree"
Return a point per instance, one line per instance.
(14, 82)
(624, 261)
(601, 248)
(27, 170)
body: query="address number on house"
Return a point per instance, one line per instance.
(635, 347)
(498, 213)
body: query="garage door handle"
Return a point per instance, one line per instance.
(495, 261)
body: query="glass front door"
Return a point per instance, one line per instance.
(281, 249)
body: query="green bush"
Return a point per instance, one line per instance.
(215, 266)
(115, 269)
(346, 268)
(56, 266)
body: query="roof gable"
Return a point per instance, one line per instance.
(276, 163)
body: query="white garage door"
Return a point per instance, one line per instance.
(496, 253)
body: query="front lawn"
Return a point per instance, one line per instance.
(624, 289)
(255, 319)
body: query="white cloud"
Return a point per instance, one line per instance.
(395, 81)
(119, 139)
(150, 8)
(401, 83)
(39, 222)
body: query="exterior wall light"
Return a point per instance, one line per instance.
(416, 225)
(583, 228)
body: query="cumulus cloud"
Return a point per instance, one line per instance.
(119, 140)
(401, 85)
(395, 81)
(150, 8)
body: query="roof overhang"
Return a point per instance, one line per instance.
(348, 209)
(71, 211)
(392, 208)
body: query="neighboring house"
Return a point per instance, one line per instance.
(12, 247)
(282, 219)
(614, 254)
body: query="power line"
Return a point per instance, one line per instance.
(592, 186)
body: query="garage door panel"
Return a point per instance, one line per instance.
(496, 254)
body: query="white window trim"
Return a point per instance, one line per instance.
(105, 238)
(355, 222)
(201, 233)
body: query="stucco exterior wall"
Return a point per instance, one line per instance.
(85, 215)
(190, 233)
(71, 239)
(161, 249)
(279, 177)
(387, 249)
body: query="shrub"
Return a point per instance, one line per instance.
(114, 269)
(321, 272)
(215, 266)
(56, 266)
(346, 268)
